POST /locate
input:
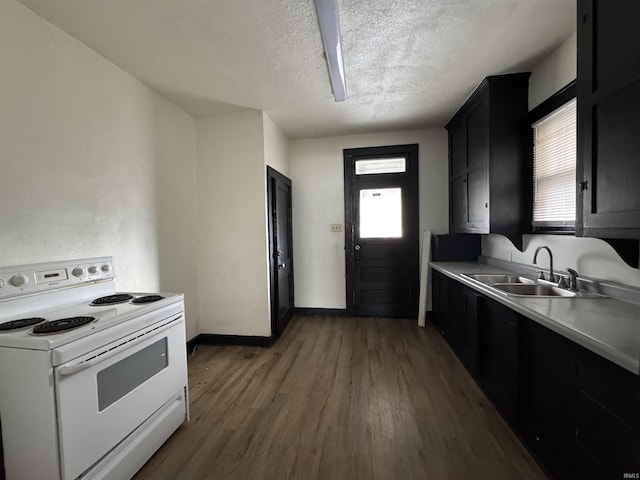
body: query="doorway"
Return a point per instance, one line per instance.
(381, 231)
(280, 250)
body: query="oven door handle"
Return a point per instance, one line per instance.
(71, 368)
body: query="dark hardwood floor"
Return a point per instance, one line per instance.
(339, 398)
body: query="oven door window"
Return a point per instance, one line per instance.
(122, 377)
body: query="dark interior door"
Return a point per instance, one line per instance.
(381, 231)
(280, 250)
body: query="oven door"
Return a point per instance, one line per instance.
(106, 394)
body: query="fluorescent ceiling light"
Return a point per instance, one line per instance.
(329, 21)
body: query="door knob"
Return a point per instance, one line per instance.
(356, 248)
(282, 265)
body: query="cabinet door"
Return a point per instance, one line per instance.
(457, 319)
(478, 135)
(499, 356)
(463, 324)
(608, 120)
(458, 149)
(472, 302)
(458, 204)
(608, 414)
(549, 395)
(478, 201)
(478, 166)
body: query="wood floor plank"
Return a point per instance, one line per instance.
(339, 398)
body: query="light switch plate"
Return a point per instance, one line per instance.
(336, 227)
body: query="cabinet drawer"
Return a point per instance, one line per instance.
(613, 387)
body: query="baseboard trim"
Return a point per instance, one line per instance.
(242, 340)
(326, 312)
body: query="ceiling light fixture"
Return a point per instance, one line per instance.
(329, 21)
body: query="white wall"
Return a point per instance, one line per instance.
(92, 162)
(589, 256)
(276, 147)
(232, 224)
(318, 201)
(554, 72)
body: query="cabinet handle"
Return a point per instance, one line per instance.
(512, 324)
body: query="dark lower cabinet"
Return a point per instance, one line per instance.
(608, 416)
(463, 324)
(577, 412)
(498, 368)
(548, 398)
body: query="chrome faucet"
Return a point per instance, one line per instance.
(552, 277)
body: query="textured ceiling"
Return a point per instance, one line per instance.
(409, 63)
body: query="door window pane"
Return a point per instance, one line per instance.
(381, 213)
(381, 165)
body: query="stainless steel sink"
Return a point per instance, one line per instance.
(492, 278)
(515, 285)
(533, 290)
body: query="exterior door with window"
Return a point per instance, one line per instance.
(381, 234)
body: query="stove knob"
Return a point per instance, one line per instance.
(78, 272)
(93, 270)
(19, 280)
(105, 268)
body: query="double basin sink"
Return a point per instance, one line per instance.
(515, 285)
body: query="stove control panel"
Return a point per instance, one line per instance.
(49, 276)
(28, 279)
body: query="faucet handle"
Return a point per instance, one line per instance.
(573, 279)
(541, 275)
(562, 283)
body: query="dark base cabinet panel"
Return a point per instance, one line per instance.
(607, 439)
(472, 301)
(608, 414)
(548, 398)
(589, 468)
(498, 368)
(578, 413)
(463, 325)
(611, 386)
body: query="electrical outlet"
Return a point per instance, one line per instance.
(336, 227)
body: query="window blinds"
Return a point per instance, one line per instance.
(554, 168)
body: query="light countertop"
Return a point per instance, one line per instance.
(606, 326)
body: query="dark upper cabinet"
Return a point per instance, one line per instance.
(489, 160)
(608, 170)
(498, 344)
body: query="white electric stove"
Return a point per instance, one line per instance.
(92, 380)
